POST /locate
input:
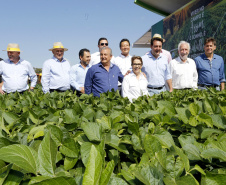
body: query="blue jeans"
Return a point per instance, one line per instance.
(156, 91)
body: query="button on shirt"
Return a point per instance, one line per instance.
(184, 74)
(55, 75)
(15, 76)
(156, 70)
(133, 87)
(77, 76)
(99, 80)
(210, 72)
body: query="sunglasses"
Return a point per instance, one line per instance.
(102, 44)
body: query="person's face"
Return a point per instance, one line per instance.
(58, 53)
(125, 48)
(156, 48)
(209, 48)
(105, 56)
(14, 56)
(136, 66)
(103, 43)
(184, 51)
(86, 58)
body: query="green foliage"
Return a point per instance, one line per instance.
(58, 138)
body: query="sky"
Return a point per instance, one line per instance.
(36, 24)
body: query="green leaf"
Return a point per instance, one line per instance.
(56, 134)
(152, 145)
(4, 173)
(105, 122)
(186, 139)
(57, 181)
(219, 121)
(47, 156)
(5, 142)
(207, 132)
(167, 106)
(10, 117)
(183, 157)
(22, 156)
(192, 152)
(187, 180)
(106, 174)
(214, 153)
(69, 163)
(70, 115)
(165, 138)
(92, 131)
(183, 114)
(114, 141)
(205, 119)
(85, 151)
(133, 127)
(194, 109)
(94, 168)
(199, 169)
(13, 178)
(69, 148)
(213, 179)
(116, 181)
(136, 143)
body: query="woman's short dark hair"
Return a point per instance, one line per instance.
(138, 58)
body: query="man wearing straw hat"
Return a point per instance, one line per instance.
(55, 71)
(15, 72)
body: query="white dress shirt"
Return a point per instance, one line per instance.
(132, 87)
(95, 59)
(55, 75)
(124, 63)
(184, 74)
(15, 76)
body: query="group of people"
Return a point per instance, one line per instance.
(100, 72)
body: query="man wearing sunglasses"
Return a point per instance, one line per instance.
(95, 57)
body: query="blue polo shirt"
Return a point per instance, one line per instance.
(210, 72)
(99, 80)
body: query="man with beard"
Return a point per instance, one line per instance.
(78, 72)
(183, 69)
(156, 68)
(210, 67)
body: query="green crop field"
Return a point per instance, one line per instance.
(174, 138)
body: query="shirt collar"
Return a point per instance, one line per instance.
(179, 60)
(205, 57)
(100, 64)
(122, 56)
(54, 58)
(9, 61)
(152, 56)
(80, 65)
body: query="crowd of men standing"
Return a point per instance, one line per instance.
(100, 72)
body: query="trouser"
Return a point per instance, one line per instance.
(155, 91)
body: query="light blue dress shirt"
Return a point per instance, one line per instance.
(78, 75)
(156, 70)
(55, 75)
(15, 76)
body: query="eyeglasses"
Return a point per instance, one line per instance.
(137, 64)
(102, 44)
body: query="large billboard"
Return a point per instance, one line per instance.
(193, 23)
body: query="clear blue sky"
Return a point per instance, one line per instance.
(36, 24)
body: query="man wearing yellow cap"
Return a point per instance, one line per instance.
(55, 71)
(15, 72)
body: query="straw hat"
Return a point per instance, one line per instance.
(13, 47)
(158, 36)
(58, 45)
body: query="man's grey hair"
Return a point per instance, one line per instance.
(106, 47)
(184, 42)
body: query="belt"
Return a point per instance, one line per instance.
(158, 88)
(57, 90)
(202, 85)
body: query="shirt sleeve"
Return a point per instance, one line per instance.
(167, 72)
(1, 68)
(222, 74)
(45, 77)
(89, 81)
(32, 75)
(120, 76)
(125, 88)
(195, 77)
(73, 78)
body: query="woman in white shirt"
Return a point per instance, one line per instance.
(135, 84)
